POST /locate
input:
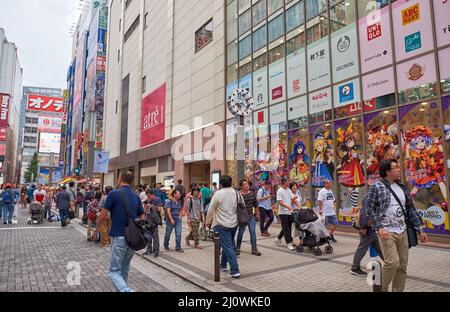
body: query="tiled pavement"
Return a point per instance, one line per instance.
(35, 258)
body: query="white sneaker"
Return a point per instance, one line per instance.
(290, 247)
(235, 275)
(278, 241)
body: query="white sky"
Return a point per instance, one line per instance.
(41, 31)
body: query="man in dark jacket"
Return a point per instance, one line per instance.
(63, 204)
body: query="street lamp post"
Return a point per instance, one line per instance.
(91, 145)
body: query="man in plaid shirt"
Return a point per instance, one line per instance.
(388, 220)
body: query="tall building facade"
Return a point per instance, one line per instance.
(165, 77)
(10, 93)
(338, 87)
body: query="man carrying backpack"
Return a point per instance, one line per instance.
(195, 215)
(8, 204)
(153, 207)
(392, 212)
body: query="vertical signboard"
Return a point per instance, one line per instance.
(260, 89)
(277, 81)
(153, 120)
(345, 53)
(442, 21)
(296, 73)
(318, 64)
(4, 115)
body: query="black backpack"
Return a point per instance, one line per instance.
(134, 232)
(153, 217)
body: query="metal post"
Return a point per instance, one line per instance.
(240, 144)
(216, 257)
(377, 276)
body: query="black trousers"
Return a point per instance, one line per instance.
(286, 228)
(263, 213)
(365, 242)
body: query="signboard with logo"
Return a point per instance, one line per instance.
(345, 53)
(261, 120)
(442, 21)
(278, 115)
(49, 142)
(347, 93)
(79, 69)
(320, 101)
(318, 64)
(298, 112)
(101, 63)
(260, 88)
(378, 84)
(4, 115)
(45, 103)
(296, 73)
(277, 82)
(49, 124)
(375, 40)
(412, 28)
(444, 57)
(44, 176)
(416, 72)
(153, 118)
(101, 161)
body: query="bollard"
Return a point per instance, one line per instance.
(376, 270)
(216, 257)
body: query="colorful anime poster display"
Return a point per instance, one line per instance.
(382, 142)
(279, 161)
(231, 149)
(349, 161)
(424, 164)
(249, 148)
(300, 161)
(322, 163)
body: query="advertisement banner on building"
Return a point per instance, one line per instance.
(277, 82)
(444, 57)
(278, 117)
(320, 101)
(79, 69)
(412, 28)
(347, 93)
(153, 120)
(101, 161)
(2, 149)
(260, 88)
(375, 40)
(296, 73)
(261, 121)
(44, 160)
(101, 63)
(101, 40)
(416, 72)
(297, 108)
(441, 18)
(345, 53)
(49, 142)
(4, 115)
(378, 84)
(45, 103)
(44, 176)
(57, 175)
(49, 124)
(318, 64)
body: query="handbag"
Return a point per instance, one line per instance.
(134, 232)
(242, 213)
(411, 232)
(71, 214)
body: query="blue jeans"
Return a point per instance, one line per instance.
(228, 248)
(8, 213)
(119, 267)
(169, 227)
(63, 215)
(252, 228)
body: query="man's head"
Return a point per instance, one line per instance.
(108, 189)
(245, 187)
(64, 187)
(200, 184)
(215, 184)
(150, 194)
(158, 185)
(390, 169)
(71, 184)
(180, 181)
(266, 184)
(327, 184)
(176, 194)
(225, 181)
(205, 184)
(126, 178)
(39, 186)
(195, 191)
(8, 186)
(284, 183)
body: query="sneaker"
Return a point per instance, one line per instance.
(235, 275)
(265, 234)
(9, 222)
(5, 222)
(238, 251)
(179, 250)
(278, 241)
(333, 239)
(290, 247)
(156, 255)
(148, 252)
(223, 269)
(166, 248)
(255, 252)
(358, 272)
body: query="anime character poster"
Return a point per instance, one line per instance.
(279, 158)
(424, 163)
(381, 141)
(349, 161)
(231, 150)
(249, 150)
(322, 164)
(299, 161)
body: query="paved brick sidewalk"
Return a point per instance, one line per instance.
(35, 257)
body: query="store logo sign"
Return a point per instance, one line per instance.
(446, 30)
(346, 93)
(318, 55)
(415, 72)
(411, 14)
(320, 96)
(373, 31)
(343, 44)
(413, 42)
(296, 86)
(277, 93)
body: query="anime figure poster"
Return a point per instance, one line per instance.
(279, 160)
(322, 164)
(424, 164)
(299, 160)
(381, 142)
(349, 169)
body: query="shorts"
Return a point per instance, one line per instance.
(333, 220)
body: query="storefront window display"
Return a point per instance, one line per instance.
(298, 113)
(349, 161)
(279, 161)
(444, 56)
(424, 163)
(382, 142)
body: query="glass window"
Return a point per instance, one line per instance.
(232, 53)
(204, 36)
(232, 22)
(260, 38)
(245, 47)
(444, 56)
(316, 29)
(232, 73)
(298, 113)
(295, 16)
(245, 22)
(259, 12)
(260, 62)
(274, 5)
(243, 4)
(367, 6)
(276, 28)
(276, 54)
(314, 7)
(246, 69)
(296, 43)
(342, 14)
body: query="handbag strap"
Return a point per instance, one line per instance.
(125, 201)
(397, 199)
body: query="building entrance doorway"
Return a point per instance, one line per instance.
(199, 172)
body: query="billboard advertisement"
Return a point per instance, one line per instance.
(296, 73)
(49, 142)
(378, 84)
(4, 115)
(153, 118)
(49, 124)
(319, 64)
(101, 162)
(79, 69)
(260, 88)
(347, 93)
(345, 53)
(44, 160)
(412, 28)
(277, 82)
(44, 176)
(416, 72)
(57, 175)
(442, 21)
(320, 101)
(45, 103)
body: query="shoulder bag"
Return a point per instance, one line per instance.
(134, 232)
(242, 213)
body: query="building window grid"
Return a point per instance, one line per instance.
(331, 5)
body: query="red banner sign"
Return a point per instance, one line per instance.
(2, 149)
(153, 120)
(4, 115)
(45, 103)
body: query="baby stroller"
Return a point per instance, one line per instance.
(315, 233)
(206, 233)
(37, 213)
